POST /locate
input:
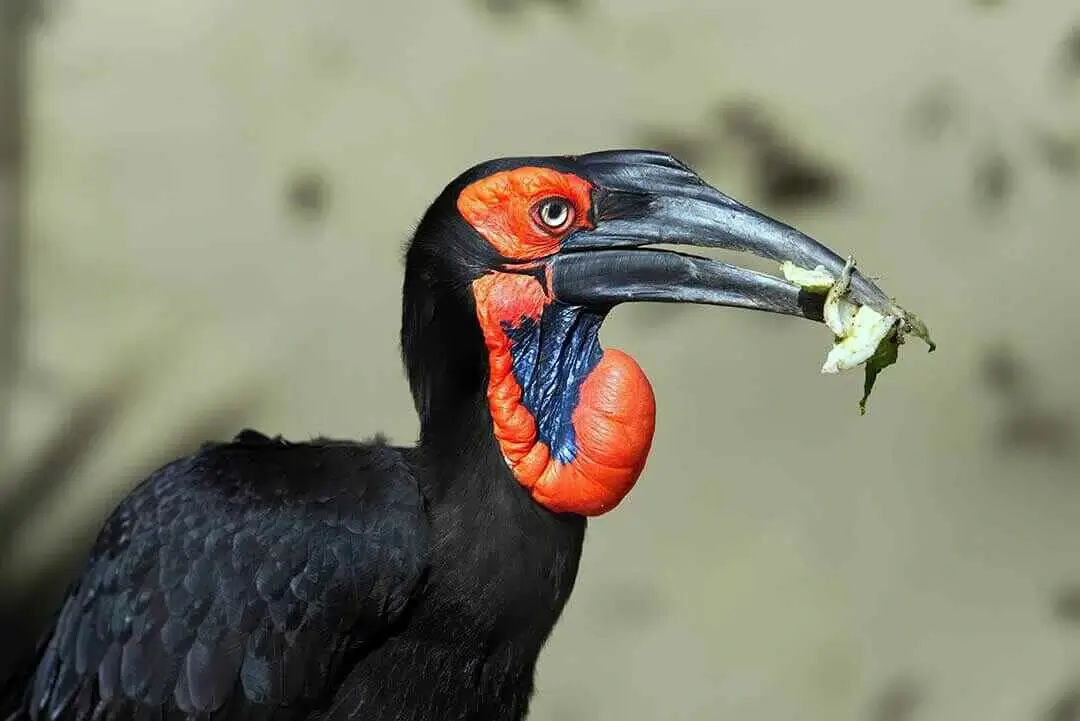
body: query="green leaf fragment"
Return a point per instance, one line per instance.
(887, 353)
(859, 339)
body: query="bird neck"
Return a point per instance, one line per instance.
(572, 421)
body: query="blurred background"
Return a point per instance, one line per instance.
(203, 207)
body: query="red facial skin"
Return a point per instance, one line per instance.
(615, 416)
(500, 208)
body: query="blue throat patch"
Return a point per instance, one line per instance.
(551, 358)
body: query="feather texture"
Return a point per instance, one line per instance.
(244, 574)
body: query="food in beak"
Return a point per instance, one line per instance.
(862, 336)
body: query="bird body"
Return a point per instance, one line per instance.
(265, 579)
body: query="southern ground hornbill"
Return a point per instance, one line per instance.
(261, 578)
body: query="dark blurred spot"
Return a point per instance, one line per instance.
(933, 111)
(1002, 372)
(786, 179)
(308, 195)
(747, 121)
(1030, 430)
(1060, 153)
(1025, 425)
(987, 4)
(30, 12)
(506, 8)
(631, 604)
(1067, 604)
(1070, 52)
(784, 175)
(897, 701)
(993, 179)
(1066, 708)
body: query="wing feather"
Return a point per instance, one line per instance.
(238, 575)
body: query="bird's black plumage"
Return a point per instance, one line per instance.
(244, 575)
(331, 580)
(261, 579)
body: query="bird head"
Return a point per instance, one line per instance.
(518, 262)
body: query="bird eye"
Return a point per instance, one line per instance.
(555, 213)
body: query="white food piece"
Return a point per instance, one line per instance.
(840, 314)
(859, 329)
(866, 332)
(816, 279)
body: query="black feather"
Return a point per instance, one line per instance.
(175, 611)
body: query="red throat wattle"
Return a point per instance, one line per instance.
(613, 421)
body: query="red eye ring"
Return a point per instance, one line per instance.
(554, 214)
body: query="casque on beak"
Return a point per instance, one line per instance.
(643, 198)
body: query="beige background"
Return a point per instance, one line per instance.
(782, 557)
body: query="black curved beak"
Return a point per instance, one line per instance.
(644, 198)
